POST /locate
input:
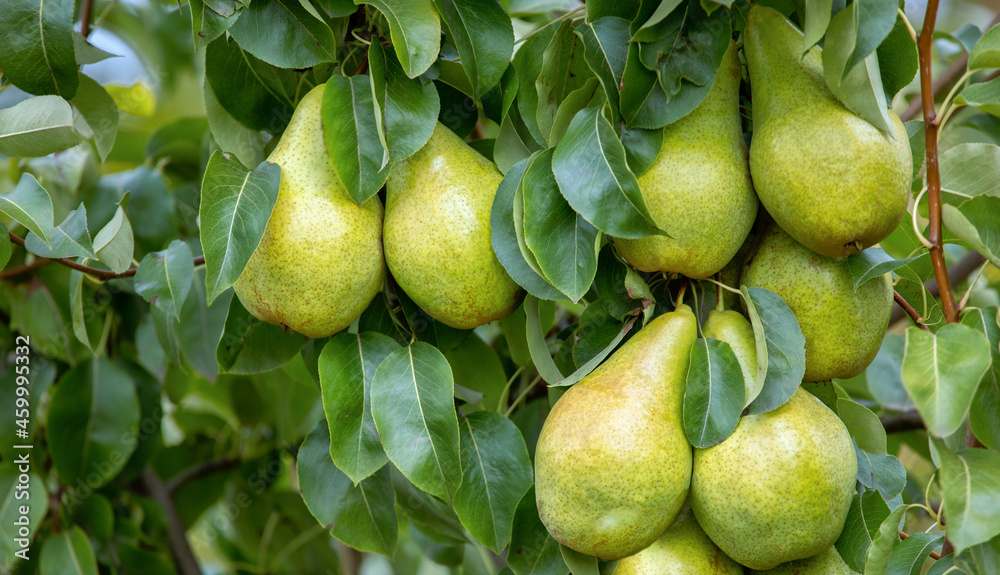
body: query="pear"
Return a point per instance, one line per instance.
(731, 327)
(832, 180)
(683, 549)
(826, 563)
(698, 189)
(779, 488)
(437, 233)
(843, 327)
(319, 263)
(612, 464)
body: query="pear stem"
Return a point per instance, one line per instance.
(924, 45)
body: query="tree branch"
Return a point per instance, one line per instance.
(900, 422)
(200, 470)
(95, 272)
(909, 310)
(24, 268)
(177, 537)
(86, 14)
(957, 273)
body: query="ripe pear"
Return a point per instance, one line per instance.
(731, 327)
(835, 182)
(319, 263)
(698, 189)
(437, 233)
(683, 549)
(843, 327)
(612, 464)
(828, 562)
(779, 488)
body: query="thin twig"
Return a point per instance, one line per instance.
(180, 547)
(86, 12)
(909, 310)
(200, 470)
(957, 273)
(24, 268)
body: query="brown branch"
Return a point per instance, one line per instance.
(957, 273)
(95, 272)
(901, 301)
(86, 14)
(24, 268)
(200, 470)
(180, 547)
(934, 555)
(924, 45)
(900, 422)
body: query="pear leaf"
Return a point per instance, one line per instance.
(986, 52)
(817, 20)
(883, 541)
(70, 239)
(781, 349)
(868, 511)
(985, 96)
(68, 552)
(164, 277)
(578, 563)
(250, 345)
(714, 393)
(114, 243)
(910, 554)
(39, 52)
(536, 343)
(563, 71)
(256, 94)
(882, 473)
(971, 490)
(5, 245)
(859, 87)
(863, 425)
(405, 110)
(605, 48)
(483, 34)
(350, 131)
(100, 112)
(874, 262)
(984, 415)
(970, 170)
(498, 99)
(415, 28)
(532, 550)
(285, 34)
(235, 206)
(30, 205)
(977, 221)
(37, 127)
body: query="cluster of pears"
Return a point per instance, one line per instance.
(321, 261)
(615, 475)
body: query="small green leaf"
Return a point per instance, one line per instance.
(563, 71)
(536, 343)
(415, 29)
(351, 136)
(235, 206)
(982, 558)
(484, 36)
(230, 135)
(206, 23)
(249, 345)
(405, 110)
(977, 221)
(781, 351)
(514, 142)
(868, 511)
(590, 167)
(37, 127)
(909, 555)
(414, 413)
(532, 550)
(877, 557)
(642, 147)
(897, 59)
(100, 112)
(859, 87)
(496, 472)
(884, 375)
(477, 367)
(605, 44)
(713, 394)
(863, 425)
(971, 489)
(76, 310)
(873, 20)
(164, 277)
(361, 515)
(941, 371)
(38, 55)
(68, 553)
(283, 33)
(258, 95)
(5, 246)
(817, 19)
(882, 473)
(29, 204)
(985, 96)
(200, 326)
(971, 169)
(528, 63)
(578, 563)
(114, 243)
(347, 367)
(70, 239)
(984, 415)
(874, 262)
(986, 52)
(498, 99)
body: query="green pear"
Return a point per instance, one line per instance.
(843, 327)
(698, 190)
(835, 182)
(731, 327)
(683, 549)
(437, 233)
(826, 563)
(612, 464)
(319, 263)
(779, 488)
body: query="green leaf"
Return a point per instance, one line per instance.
(350, 131)
(528, 63)
(100, 112)
(578, 563)
(249, 345)
(496, 472)
(882, 473)
(641, 148)
(235, 206)
(884, 375)
(68, 553)
(514, 142)
(984, 415)
(536, 343)
(867, 512)
(427, 329)
(563, 243)
(29, 204)
(985, 96)
(505, 242)
(605, 44)
(713, 394)
(76, 310)
(857, 87)
(256, 94)
(414, 414)
(405, 110)
(983, 558)
(230, 135)
(361, 515)
(498, 99)
(590, 167)
(941, 371)
(38, 55)
(970, 486)
(897, 59)
(200, 326)
(164, 277)
(781, 349)
(285, 34)
(36, 127)
(347, 367)
(206, 23)
(977, 221)
(909, 555)
(532, 550)
(93, 418)
(5, 246)
(986, 52)
(873, 263)
(873, 20)
(87, 53)
(625, 9)
(415, 29)
(563, 71)
(970, 170)
(10, 486)
(477, 367)
(70, 239)
(817, 19)
(583, 97)
(114, 243)
(877, 558)
(484, 36)
(863, 425)
(643, 101)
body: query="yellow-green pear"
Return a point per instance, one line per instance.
(731, 327)
(832, 180)
(779, 488)
(319, 263)
(437, 233)
(828, 562)
(698, 190)
(612, 464)
(683, 549)
(843, 327)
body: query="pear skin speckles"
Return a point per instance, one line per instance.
(683, 549)
(828, 562)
